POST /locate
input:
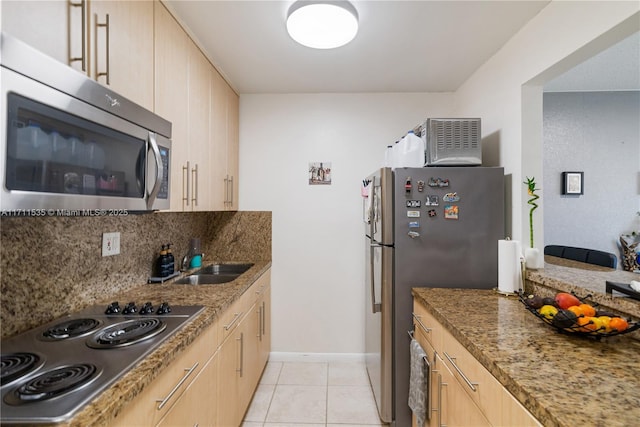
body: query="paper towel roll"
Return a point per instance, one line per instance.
(509, 272)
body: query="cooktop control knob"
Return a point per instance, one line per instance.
(147, 308)
(130, 308)
(164, 308)
(113, 308)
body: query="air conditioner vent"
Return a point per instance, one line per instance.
(453, 141)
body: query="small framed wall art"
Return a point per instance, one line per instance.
(572, 183)
(319, 173)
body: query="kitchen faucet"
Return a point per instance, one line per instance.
(185, 262)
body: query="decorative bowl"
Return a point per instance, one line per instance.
(587, 327)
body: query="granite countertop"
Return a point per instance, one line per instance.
(562, 380)
(215, 299)
(586, 279)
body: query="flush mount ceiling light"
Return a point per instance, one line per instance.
(322, 24)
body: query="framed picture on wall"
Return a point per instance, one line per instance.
(572, 183)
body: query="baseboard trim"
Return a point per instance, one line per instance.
(278, 356)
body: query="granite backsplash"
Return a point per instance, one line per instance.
(50, 266)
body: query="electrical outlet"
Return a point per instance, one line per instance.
(110, 244)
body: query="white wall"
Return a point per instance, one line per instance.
(318, 260)
(507, 90)
(318, 245)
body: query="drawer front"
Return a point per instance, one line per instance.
(231, 317)
(259, 287)
(495, 401)
(431, 327)
(159, 396)
(456, 407)
(477, 382)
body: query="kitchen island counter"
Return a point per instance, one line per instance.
(215, 299)
(562, 380)
(585, 279)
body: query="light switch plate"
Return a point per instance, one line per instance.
(110, 244)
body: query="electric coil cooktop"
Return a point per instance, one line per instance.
(51, 372)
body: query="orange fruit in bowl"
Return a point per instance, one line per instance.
(575, 309)
(587, 310)
(596, 325)
(590, 324)
(618, 324)
(585, 324)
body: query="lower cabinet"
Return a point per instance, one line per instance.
(244, 352)
(456, 409)
(193, 368)
(212, 382)
(232, 377)
(195, 407)
(462, 392)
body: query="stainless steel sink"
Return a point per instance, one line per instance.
(224, 269)
(206, 279)
(214, 274)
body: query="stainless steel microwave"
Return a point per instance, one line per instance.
(69, 143)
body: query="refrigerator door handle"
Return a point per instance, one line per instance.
(376, 307)
(372, 208)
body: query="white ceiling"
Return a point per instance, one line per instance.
(402, 46)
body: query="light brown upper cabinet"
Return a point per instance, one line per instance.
(224, 153)
(120, 47)
(110, 41)
(140, 51)
(172, 98)
(199, 168)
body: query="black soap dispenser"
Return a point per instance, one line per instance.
(171, 265)
(161, 263)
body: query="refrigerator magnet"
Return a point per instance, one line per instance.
(451, 197)
(413, 203)
(414, 224)
(451, 212)
(413, 214)
(438, 182)
(432, 213)
(420, 186)
(432, 201)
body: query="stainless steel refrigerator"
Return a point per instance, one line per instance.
(425, 227)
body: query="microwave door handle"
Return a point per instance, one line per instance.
(151, 198)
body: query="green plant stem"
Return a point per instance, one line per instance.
(532, 202)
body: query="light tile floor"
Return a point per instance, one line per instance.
(310, 394)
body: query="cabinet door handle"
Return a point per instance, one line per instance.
(83, 56)
(259, 323)
(440, 385)
(226, 190)
(264, 317)
(187, 374)
(241, 339)
(107, 28)
(194, 178)
(431, 407)
(185, 183)
(234, 320)
(418, 319)
(471, 385)
(231, 191)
